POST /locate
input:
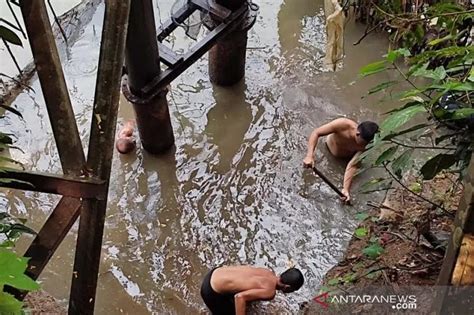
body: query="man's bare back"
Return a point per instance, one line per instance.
(226, 290)
(224, 280)
(342, 144)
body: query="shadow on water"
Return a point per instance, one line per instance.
(227, 122)
(233, 190)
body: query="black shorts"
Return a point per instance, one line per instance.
(218, 304)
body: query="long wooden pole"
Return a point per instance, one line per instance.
(327, 181)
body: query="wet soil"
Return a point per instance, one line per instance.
(399, 225)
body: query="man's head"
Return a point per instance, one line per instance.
(366, 131)
(125, 145)
(290, 281)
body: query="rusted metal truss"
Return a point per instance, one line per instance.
(225, 22)
(84, 184)
(54, 184)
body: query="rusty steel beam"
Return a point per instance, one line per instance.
(51, 235)
(48, 239)
(53, 85)
(54, 184)
(61, 116)
(99, 160)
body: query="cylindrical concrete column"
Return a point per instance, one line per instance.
(227, 57)
(143, 65)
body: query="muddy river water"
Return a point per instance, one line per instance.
(233, 190)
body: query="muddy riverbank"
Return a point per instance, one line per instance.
(398, 244)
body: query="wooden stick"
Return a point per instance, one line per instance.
(327, 181)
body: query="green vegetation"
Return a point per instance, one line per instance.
(435, 90)
(12, 267)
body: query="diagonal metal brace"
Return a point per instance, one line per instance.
(54, 184)
(196, 52)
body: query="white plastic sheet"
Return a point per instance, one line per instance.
(335, 33)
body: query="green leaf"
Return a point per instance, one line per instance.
(443, 138)
(12, 180)
(361, 232)
(402, 162)
(398, 119)
(9, 36)
(361, 216)
(373, 68)
(349, 277)
(386, 155)
(7, 244)
(453, 86)
(22, 228)
(334, 281)
(440, 40)
(12, 271)
(9, 305)
(373, 275)
(471, 75)
(415, 187)
(407, 105)
(8, 160)
(382, 86)
(413, 98)
(375, 184)
(405, 131)
(436, 164)
(11, 109)
(4, 138)
(395, 54)
(437, 74)
(373, 251)
(324, 289)
(462, 113)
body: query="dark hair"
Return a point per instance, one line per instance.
(293, 278)
(367, 130)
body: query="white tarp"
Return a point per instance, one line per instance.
(335, 33)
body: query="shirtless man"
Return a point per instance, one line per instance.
(346, 139)
(226, 290)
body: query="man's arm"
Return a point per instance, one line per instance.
(243, 297)
(324, 130)
(351, 168)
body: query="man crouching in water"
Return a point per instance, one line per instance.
(125, 141)
(226, 290)
(346, 139)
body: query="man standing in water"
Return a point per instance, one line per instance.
(226, 290)
(346, 139)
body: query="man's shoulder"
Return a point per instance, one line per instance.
(344, 123)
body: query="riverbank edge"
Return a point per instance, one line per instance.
(409, 257)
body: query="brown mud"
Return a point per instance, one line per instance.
(405, 227)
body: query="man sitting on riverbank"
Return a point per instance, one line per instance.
(346, 139)
(226, 290)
